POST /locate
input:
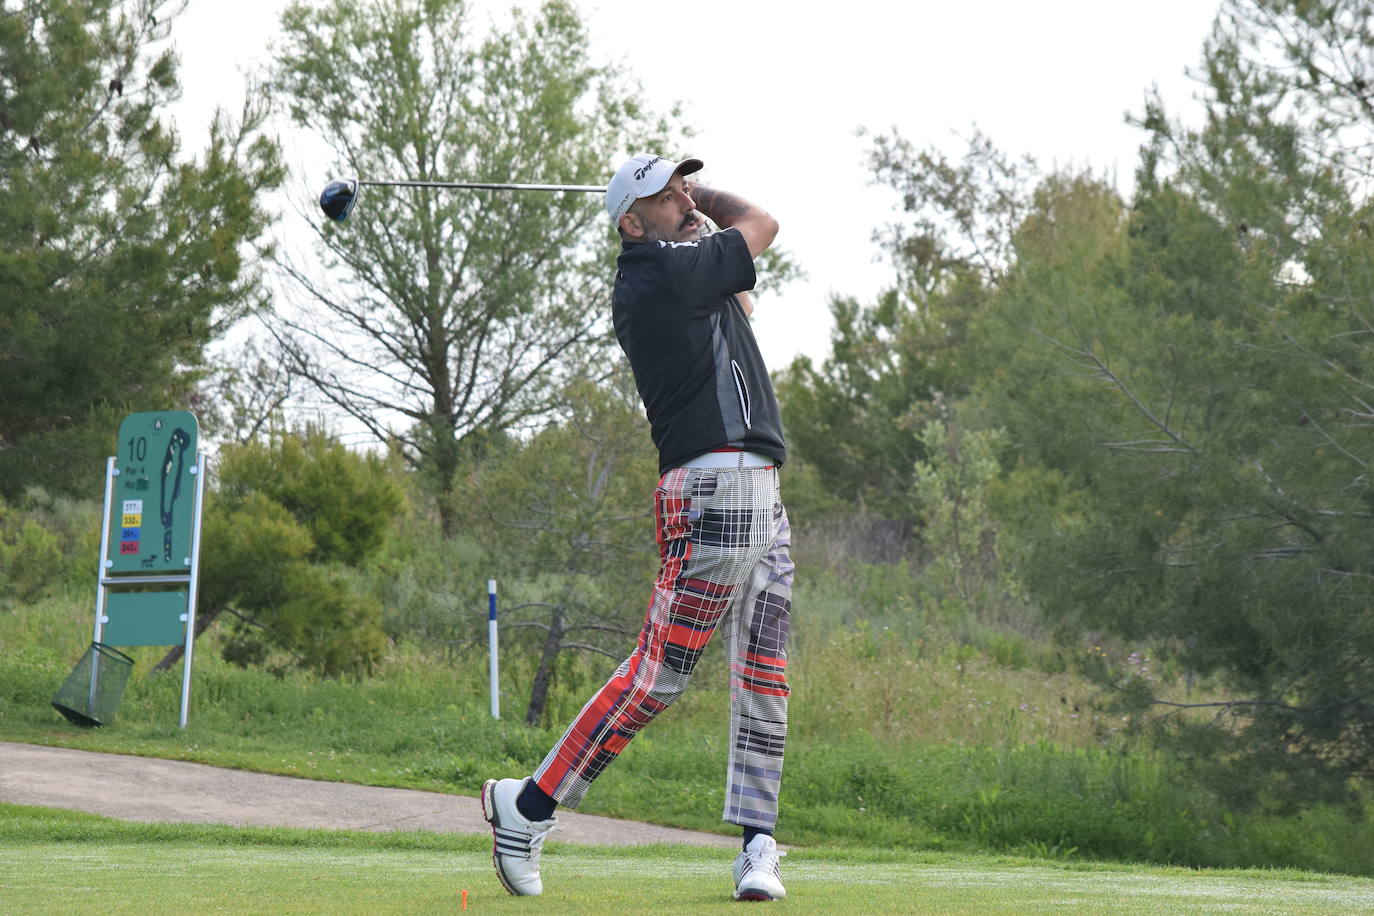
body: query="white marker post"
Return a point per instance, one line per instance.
(111, 472)
(193, 565)
(495, 663)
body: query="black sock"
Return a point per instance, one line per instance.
(534, 803)
(751, 832)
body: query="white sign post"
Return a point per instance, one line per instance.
(494, 665)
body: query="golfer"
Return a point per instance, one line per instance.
(681, 307)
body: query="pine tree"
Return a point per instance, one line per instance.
(120, 256)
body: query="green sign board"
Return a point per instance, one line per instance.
(153, 504)
(145, 618)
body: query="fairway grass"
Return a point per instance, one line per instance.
(56, 863)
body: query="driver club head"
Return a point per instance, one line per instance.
(338, 197)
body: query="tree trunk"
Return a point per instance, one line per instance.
(446, 458)
(203, 622)
(543, 677)
(448, 520)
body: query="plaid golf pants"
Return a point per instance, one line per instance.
(725, 552)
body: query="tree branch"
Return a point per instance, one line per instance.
(1100, 368)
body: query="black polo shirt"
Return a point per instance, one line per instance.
(695, 360)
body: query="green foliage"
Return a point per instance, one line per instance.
(1212, 443)
(957, 217)
(30, 558)
(856, 420)
(851, 422)
(1183, 384)
(344, 500)
(48, 545)
(432, 588)
(243, 397)
(1190, 376)
(290, 517)
(964, 562)
(120, 256)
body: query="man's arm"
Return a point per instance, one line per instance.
(746, 302)
(730, 211)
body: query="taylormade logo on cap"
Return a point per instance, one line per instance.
(641, 176)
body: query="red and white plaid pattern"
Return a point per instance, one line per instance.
(725, 555)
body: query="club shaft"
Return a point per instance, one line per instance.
(486, 186)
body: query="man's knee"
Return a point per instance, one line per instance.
(668, 687)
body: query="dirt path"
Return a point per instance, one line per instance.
(152, 790)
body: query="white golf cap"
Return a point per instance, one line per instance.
(641, 176)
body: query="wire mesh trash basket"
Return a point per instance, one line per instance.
(89, 695)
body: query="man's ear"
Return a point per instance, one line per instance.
(632, 225)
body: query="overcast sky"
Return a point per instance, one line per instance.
(776, 91)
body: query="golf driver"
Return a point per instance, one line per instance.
(339, 196)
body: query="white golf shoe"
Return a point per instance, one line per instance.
(757, 876)
(519, 841)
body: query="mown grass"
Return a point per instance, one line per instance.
(60, 862)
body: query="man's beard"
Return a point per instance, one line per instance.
(692, 228)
